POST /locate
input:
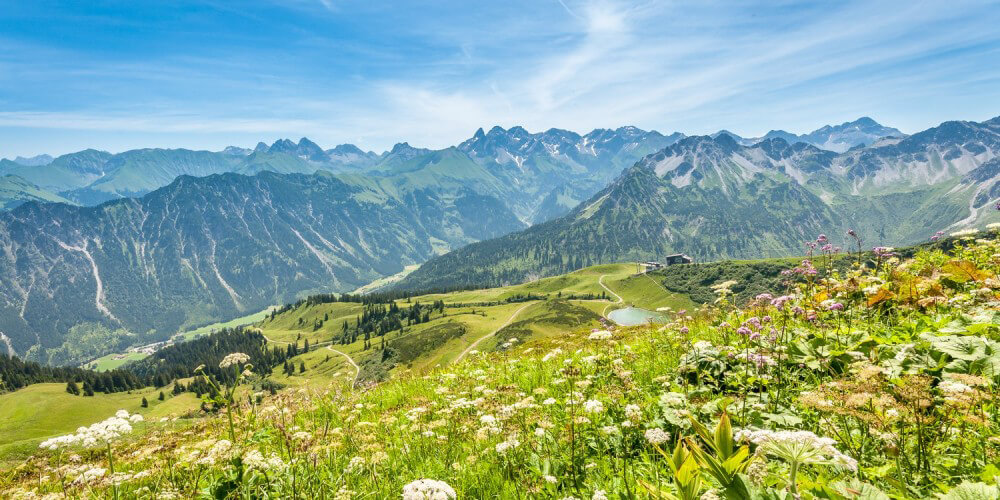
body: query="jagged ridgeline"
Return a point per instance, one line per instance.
(81, 281)
(714, 198)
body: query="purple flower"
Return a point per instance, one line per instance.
(851, 233)
(754, 336)
(724, 325)
(743, 331)
(821, 239)
(766, 319)
(684, 330)
(780, 301)
(883, 252)
(765, 296)
(798, 310)
(836, 306)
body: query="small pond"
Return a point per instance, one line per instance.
(632, 316)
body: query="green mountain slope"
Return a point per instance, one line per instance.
(211, 248)
(65, 173)
(716, 199)
(15, 191)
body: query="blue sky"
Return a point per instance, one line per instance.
(120, 75)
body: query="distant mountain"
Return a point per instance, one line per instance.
(840, 138)
(556, 169)
(137, 172)
(208, 248)
(236, 151)
(351, 157)
(714, 198)
(92, 177)
(540, 175)
(65, 173)
(837, 138)
(34, 161)
(15, 191)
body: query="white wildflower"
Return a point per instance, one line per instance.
(593, 406)
(233, 359)
(255, 460)
(657, 435)
(428, 489)
(633, 413)
(600, 335)
(505, 446)
(802, 447)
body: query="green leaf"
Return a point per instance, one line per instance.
(972, 491)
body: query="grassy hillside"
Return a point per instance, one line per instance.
(877, 381)
(478, 320)
(40, 411)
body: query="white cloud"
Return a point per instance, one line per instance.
(694, 67)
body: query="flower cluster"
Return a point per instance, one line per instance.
(101, 433)
(428, 489)
(235, 358)
(800, 447)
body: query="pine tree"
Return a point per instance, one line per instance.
(162, 396)
(302, 367)
(72, 388)
(145, 404)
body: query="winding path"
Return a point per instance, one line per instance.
(357, 369)
(329, 345)
(488, 335)
(619, 300)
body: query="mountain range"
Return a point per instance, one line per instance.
(837, 138)
(150, 241)
(554, 170)
(712, 198)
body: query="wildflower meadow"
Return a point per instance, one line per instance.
(873, 379)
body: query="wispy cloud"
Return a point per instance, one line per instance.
(431, 74)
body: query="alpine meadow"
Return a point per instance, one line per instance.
(562, 250)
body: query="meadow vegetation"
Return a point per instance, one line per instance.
(872, 379)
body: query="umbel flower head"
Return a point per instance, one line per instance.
(428, 489)
(235, 358)
(800, 447)
(101, 433)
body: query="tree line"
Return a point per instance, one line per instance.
(160, 369)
